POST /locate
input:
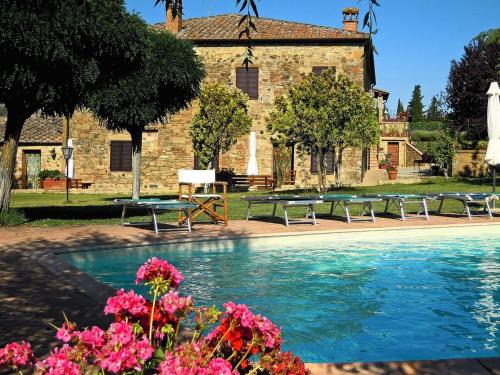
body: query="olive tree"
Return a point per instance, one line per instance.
(165, 83)
(325, 112)
(443, 150)
(221, 120)
(54, 54)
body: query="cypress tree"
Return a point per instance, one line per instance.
(400, 107)
(415, 107)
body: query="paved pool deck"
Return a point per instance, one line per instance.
(35, 287)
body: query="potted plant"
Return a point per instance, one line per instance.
(389, 166)
(52, 179)
(392, 171)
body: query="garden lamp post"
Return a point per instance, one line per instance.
(68, 153)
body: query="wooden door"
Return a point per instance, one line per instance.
(393, 150)
(31, 168)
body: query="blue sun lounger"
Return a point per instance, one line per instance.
(156, 206)
(400, 200)
(470, 200)
(285, 201)
(345, 201)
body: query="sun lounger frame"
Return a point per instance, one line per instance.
(154, 207)
(400, 200)
(345, 201)
(285, 202)
(468, 199)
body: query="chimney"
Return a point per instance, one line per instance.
(174, 24)
(351, 19)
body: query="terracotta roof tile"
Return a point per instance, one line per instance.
(225, 27)
(38, 129)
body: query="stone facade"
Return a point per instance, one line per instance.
(168, 147)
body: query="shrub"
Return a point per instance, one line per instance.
(50, 173)
(426, 125)
(425, 135)
(12, 218)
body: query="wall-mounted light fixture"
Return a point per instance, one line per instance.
(53, 153)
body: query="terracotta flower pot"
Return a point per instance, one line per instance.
(54, 184)
(393, 174)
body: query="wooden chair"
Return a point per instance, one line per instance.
(208, 202)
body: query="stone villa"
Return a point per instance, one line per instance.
(284, 53)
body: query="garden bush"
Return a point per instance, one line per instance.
(425, 135)
(144, 337)
(50, 173)
(12, 218)
(427, 125)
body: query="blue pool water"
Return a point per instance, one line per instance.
(401, 295)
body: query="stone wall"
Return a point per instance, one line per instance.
(470, 163)
(169, 147)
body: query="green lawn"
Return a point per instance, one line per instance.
(50, 209)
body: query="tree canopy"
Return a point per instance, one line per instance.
(435, 111)
(54, 54)
(165, 83)
(400, 107)
(415, 106)
(325, 112)
(468, 82)
(222, 119)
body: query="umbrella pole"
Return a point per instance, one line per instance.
(494, 178)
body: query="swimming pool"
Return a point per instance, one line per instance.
(361, 296)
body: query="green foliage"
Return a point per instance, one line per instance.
(491, 36)
(50, 173)
(221, 120)
(443, 150)
(400, 107)
(468, 82)
(12, 218)
(3, 110)
(282, 163)
(425, 135)
(435, 111)
(325, 112)
(415, 106)
(54, 55)
(427, 125)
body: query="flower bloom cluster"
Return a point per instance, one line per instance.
(16, 355)
(157, 268)
(242, 342)
(241, 328)
(125, 304)
(191, 359)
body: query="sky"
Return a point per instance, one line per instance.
(416, 41)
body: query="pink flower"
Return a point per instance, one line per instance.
(93, 339)
(65, 332)
(59, 363)
(158, 268)
(220, 366)
(121, 333)
(126, 303)
(16, 355)
(173, 304)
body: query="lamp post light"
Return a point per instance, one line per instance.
(68, 153)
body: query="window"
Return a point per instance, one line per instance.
(329, 162)
(248, 81)
(121, 156)
(319, 69)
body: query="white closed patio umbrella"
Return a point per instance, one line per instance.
(493, 120)
(252, 160)
(71, 162)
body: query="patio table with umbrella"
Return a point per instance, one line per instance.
(493, 120)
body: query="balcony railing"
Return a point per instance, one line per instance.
(393, 116)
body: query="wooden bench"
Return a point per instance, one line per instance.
(264, 182)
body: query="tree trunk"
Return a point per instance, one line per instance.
(338, 152)
(136, 163)
(320, 161)
(9, 151)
